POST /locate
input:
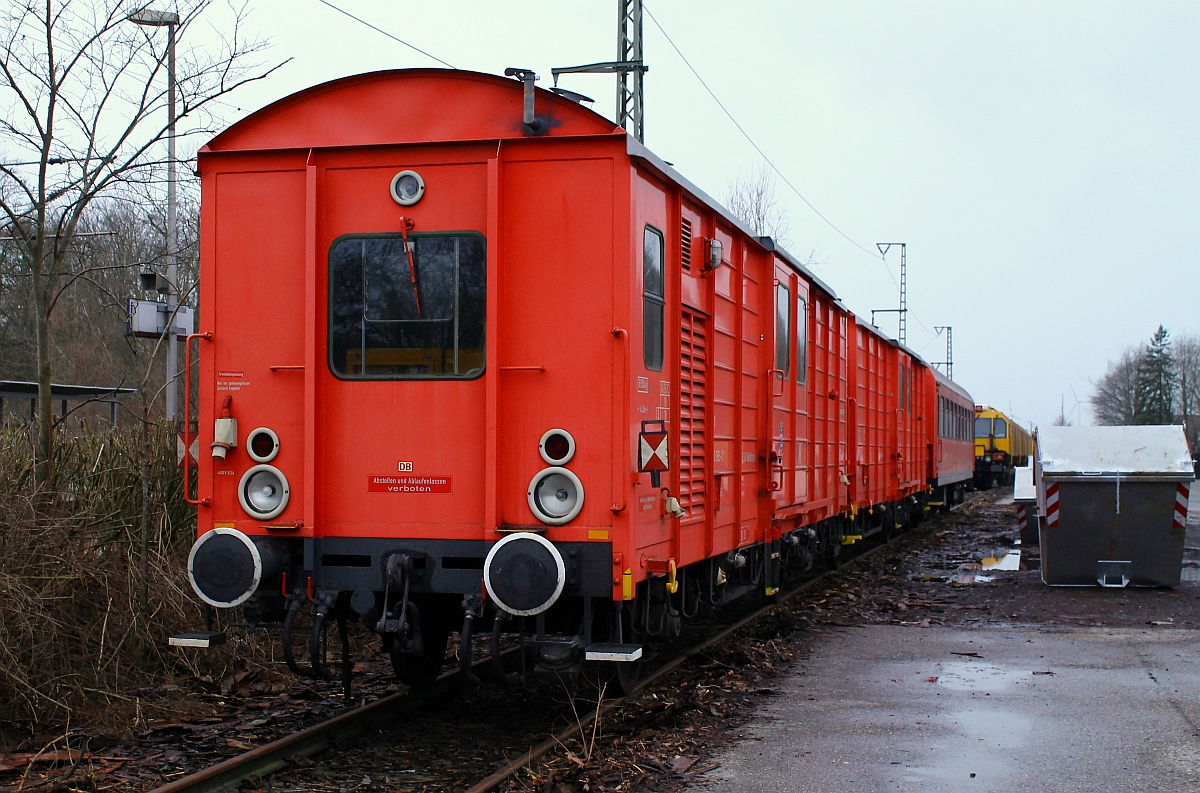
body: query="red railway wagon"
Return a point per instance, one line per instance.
(468, 350)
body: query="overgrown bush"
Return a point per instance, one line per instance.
(78, 633)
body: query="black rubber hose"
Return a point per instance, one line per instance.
(497, 633)
(289, 657)
(497, 661)
(347, 665)
(684, 589)
(314, 648)
(464, 645)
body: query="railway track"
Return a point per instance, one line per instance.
(403, 722)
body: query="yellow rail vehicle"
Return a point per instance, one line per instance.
(1000, 445)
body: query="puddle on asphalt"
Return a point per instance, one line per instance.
(974, 676)
(970, 578)
(975, 752)
(1009, 561)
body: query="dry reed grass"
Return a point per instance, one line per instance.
(74, 646)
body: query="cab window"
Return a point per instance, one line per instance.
(1001, 428)
(400, 311)
(652, 299)
(983, 428)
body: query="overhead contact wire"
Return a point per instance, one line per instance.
(767, 160)
(389, 35)
(757, 148)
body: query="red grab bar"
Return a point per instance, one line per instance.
(187, 418)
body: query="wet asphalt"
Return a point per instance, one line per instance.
(995, 708)
(999, 709)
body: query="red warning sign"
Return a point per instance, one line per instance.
(421, 485)
(652, 448)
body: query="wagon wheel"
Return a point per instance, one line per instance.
(628, 675)
(416, 670)
(624, 675)
(831, 548)
(889, 524)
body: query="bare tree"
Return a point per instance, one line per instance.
(752, 198)
(84, 93)
(1186, 351)
(1117, 397)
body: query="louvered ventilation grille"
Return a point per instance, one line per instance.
(693, 418)
(685, 243)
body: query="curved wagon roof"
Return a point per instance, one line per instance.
(404, 106)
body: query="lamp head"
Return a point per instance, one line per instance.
(153, 18)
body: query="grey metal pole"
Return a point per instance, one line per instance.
(169, 20)
(903, 293)
(630, 102)
(622, 55)
(884, 247)
(172, 269)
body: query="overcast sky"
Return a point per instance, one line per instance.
(1040, 159)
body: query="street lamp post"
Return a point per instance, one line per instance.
(169, 20)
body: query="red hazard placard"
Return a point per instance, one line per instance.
(652, 448)
(421, 485)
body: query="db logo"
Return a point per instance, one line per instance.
(405, 467)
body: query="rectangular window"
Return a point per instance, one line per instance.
(407, 313)
(903, 388)
(652, 299)
(983, 428)
(801, 340)
(783, 331)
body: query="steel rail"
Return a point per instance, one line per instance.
(270, 757)
(510, 770)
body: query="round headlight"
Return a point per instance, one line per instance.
(262, 444)
(263, 492)
(557, 447)
(407, 188)
(524, 574)
(555, 495)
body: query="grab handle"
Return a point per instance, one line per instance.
(187, 418)
(621, 462)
